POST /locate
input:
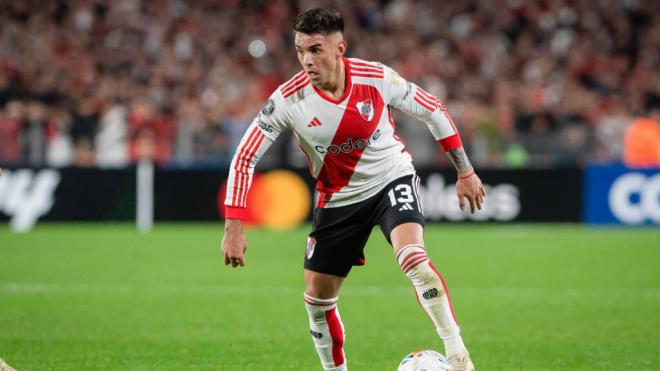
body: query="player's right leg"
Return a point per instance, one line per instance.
(335, 245)
(325, 324)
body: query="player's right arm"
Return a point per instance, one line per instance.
(260, 135)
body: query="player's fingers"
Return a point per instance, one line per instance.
(482, 191)
(461, 202)
(226, 258)
(478, 200)
(472, 204)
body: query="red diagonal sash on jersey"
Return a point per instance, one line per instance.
(337, 169)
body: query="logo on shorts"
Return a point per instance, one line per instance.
(316, 334)
(366, 109)
(430, 294)
(311, 243)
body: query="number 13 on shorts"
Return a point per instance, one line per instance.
(404, 196)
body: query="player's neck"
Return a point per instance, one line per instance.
(334, 88)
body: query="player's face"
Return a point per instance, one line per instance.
(320, 55)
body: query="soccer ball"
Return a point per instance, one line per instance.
(424, 360)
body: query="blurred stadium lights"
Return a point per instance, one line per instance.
(257, 48)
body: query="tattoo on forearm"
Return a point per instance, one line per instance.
(460, 160)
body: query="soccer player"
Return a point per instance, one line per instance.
(338, 109)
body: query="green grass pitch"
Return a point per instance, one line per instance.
(527, 297)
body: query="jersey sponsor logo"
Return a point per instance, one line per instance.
(311, 244)
(268, 108)
(316, 334)
(430, 293)
(366, 109)
(347, 147)
(264, 126)
(409, 88)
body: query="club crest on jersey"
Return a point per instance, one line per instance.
(311, 244)
(366, 109)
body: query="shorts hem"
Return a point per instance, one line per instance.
(409, 219)
(329, 271)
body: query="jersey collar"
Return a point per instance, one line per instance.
(348, 85)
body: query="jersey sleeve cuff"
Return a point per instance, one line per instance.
(451, 142)
(232, 212)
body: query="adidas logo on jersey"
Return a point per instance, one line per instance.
(406, 206)
(315, 122)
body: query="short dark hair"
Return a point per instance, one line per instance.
(319, 20)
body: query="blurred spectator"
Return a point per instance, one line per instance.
(84, 123)
(33, 133)
(642, 141)
(10, 131)
(111, 141)
(530, 83)
(60, 145)
(151, 132)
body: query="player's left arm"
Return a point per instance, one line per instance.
(413, 100)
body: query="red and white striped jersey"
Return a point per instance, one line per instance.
(349, 142)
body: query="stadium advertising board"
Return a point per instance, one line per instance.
(70, 194)
(551, 195)
(620, 195)
(278, 199)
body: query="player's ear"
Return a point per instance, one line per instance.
(341, 48)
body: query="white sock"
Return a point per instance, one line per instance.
(327, 332)
(432, 295)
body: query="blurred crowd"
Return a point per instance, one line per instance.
(529, 83)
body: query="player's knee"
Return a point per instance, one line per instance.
(322, 286)
(318, 307)
(416, 265)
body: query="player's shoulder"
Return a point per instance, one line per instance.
(366, 69)
(296, 86)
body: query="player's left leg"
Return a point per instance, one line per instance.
(408, 244)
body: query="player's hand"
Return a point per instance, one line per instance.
(468, 185)
(234, 244)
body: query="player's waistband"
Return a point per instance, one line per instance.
(353, 194)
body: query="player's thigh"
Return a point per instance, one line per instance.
(337, 240)
(401, 217)
(406, 234)
(321, 285)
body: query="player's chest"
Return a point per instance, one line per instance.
(357, 116)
